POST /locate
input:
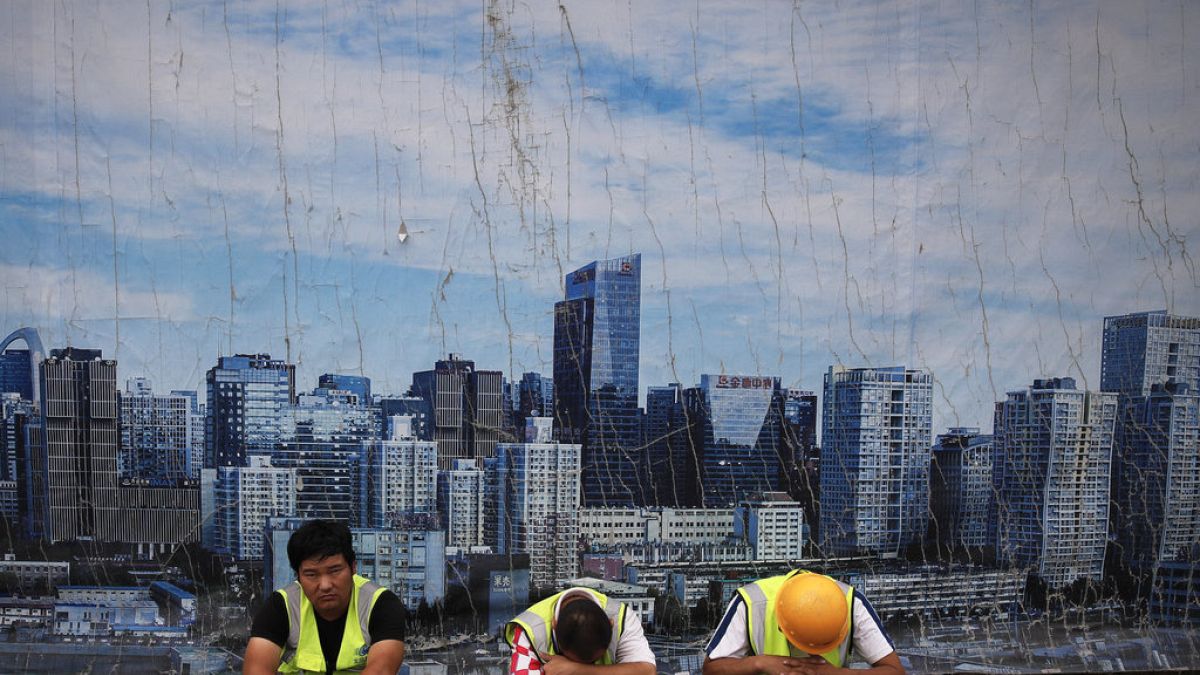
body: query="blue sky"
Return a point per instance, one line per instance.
(964, 189)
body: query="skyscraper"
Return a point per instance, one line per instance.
(737, 431)
(246, 394)
(536, 488)
(960, 489)
(1053, 454)
(323, 438)
(467, 408)
(597, 329)
(76, 491)
(672, 454)
(876, 427)
(1151, 361)
(533, 396)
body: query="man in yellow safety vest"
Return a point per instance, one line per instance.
(308, 626)
(799, 622)
(578, 632)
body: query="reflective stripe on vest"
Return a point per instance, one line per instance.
(537, 620)
(763, 628)
(302, 653)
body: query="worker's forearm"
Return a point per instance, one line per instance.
(639, 668)
(750, 665)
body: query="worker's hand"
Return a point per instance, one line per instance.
(811, 665)
(560, 665)
(789, 665)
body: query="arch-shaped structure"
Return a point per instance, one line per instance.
(36, 355)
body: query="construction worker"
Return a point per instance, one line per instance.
(799, 622)
(578, 631)
(308, 626)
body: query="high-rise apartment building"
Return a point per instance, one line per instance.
(1148, 348)
(399, 477)
(536, 490)
(246, 497)
(467, 408)
(960, 489)
(737, 432)
(1151, 361)
(1053, 457)
(597, 333)
(156, 435)
(461, 504)
(876, 426)
(246, 395)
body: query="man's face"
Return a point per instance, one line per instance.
(328, 583)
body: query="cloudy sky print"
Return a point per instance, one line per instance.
(362, 187)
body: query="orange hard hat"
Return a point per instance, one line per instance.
(812, 613)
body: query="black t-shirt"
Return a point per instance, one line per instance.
(387, 623)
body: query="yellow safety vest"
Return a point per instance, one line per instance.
(538, 620)
(303, 654)
(763, 629)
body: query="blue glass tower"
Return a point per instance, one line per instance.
(737, 427)
(355, 384)
(246, 395)
(597, 334)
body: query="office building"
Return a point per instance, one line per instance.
(467, 408)
(1053, 450)
(535, 486)
(247, 395)
(399, 476)
(876, 426)
(737, 432)
(960, 489)
(772, 523)
(532, 396)
(597, 333)
(619, 526)
(76, 489)
(156, 435)
(461, 504)
(672, 454)
(355, 384)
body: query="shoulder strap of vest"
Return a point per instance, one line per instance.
(292, 595)
(616, 615)
(536, 629)
(368, 592)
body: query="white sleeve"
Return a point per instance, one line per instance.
(871, 642)
(633, 647)
(731, 638)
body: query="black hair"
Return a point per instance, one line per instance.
(583, 628)
(319, 539)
